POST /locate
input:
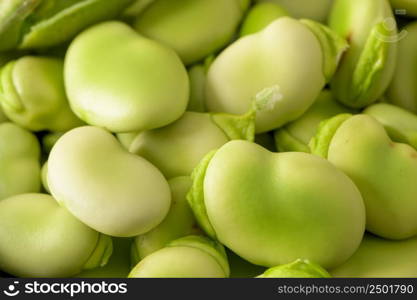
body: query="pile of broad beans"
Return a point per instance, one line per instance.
(208, 138)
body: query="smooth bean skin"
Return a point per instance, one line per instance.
(213, 24)
(39, 238)
(146, 89)
(192, 256)
(272, 208)
(19, 161)
(177, 148)
(403, 89)
(400, 124)
(317, 10)
(179, 222)
(260, 16)
(32, 94)
(378, 257)
(257, 61)
(106, 187)
(367, 67)
(300, 268)
(118, 265)
(39, 24)
(382, 170)
(296, 135)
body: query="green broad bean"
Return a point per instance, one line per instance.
(106, 187)
(272, 208)
(19, 160)
(191, 256)
(213, 24)
(32, 94)
(257, 61)
(39, 238)
(367, 67)
(33, 24)
(128, 94)
(382, 170)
